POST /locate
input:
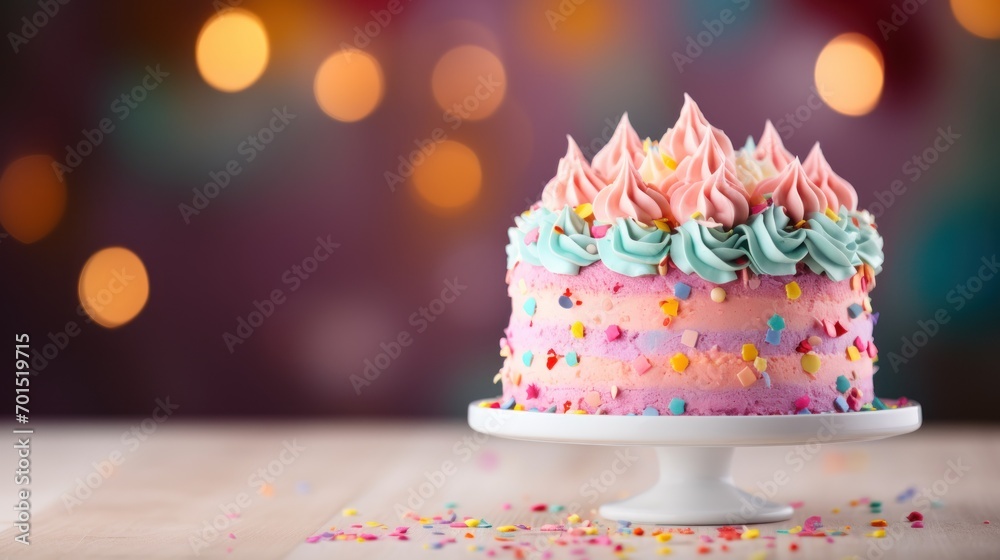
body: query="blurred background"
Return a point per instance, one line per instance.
(247, 206)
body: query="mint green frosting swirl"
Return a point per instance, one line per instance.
(869, 241)
(831, 248)
(633, 249)
(517, 250)
(771, 247)
(711, 253)
(565, 253)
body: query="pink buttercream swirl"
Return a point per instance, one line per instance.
(770, 148)
(719, 198)
(837, 190)
(683, 139)
(575, 182)
(794, 191)
(624, 144)
(705, 161)
(629, 197)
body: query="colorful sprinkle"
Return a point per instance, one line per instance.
(572, 359)
(802, 402)
(915, 516)
(879, 523)
(853, 354)
(532, 391)
(650, 411)
(669, 307)
(718, 295)
(776, 322)
(878, 404)
(832, 215)
(584, 210)
(530, 306)
(577, 329)
(772, 337)
(689, 338)
(527, 357)
(767, 379)
(641, 365)
(614, 391)
(612, 332)
(531, 237)
(760, 363)
(750, 534)
(565, 302)
(349, 512)
(507, 528)
(682, 290)
(843, 384)
(840, 404)
(747, 377)
(854, 310)
(810, 362)
(599, 231)
(793, 291)
(679, 362)
(749, 352)
(508, 404)
(677, 406)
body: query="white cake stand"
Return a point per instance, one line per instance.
(695, 453)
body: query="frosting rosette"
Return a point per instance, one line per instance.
(831, 247)
(624, 145)
(838, 191)
(682, 139)
(718, 198)
(654, 169)
(633, 249)
(629, 197)
(749, 170)
(709, 252)
(523, 237)
(869, 240)
(566, 244)
(771, 149)
(770, 246)
(575, 182)
(794, 191)
(705, 161)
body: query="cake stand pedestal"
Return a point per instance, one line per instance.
(695, 453)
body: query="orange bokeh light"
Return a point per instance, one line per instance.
(451, 177)
(232, 50)
(349, 85)
(979, 17)
(470, 81)
(850, 74)
(114, 286)
(32, 198)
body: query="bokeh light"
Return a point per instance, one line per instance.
(114, 286)
(450, 177)
(349, 85)
(979, 17)
(850, 74)
(470, 81)
(32, 198)
(232, 50)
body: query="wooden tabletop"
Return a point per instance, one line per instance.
(268, 487)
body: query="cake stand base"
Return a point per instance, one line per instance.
(695, 454)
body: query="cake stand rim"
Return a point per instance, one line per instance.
(697, 431)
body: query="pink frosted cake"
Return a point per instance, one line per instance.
(687, 277)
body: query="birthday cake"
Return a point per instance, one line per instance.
(685, 276)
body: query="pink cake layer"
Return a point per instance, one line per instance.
(709, 384)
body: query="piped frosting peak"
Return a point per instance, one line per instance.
(575, 182)
(683, 139)
(838, 191)
(624, 144)
(794, 191)
(770, 148)
(629, 197)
